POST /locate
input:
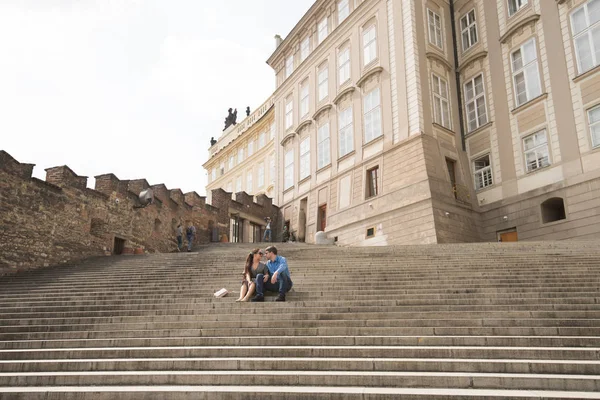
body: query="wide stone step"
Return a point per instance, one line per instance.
(354, 351)
(170, 392)
(512, 341)
(391, 379)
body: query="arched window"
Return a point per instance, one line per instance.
(553, 210)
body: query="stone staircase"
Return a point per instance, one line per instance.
(464, 321)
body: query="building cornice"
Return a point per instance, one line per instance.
(471, 59)
(521, 24)
(368, 74)
(321, 110)
(343, 93)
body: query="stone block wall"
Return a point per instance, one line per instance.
(60, 220)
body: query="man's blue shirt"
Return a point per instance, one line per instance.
(279, 266)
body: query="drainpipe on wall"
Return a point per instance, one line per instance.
(457, 76)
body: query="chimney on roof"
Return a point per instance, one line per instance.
(278, 41)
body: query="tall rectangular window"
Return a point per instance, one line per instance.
(272, 131)
(526, 76)
(475, 103)
(468, 28)
(289, 65)
(238, 184)
(231, 161)
(435, 29)
(323, 146)
(482, 170)
(515, 5)
(346, 134)
(213, 174)
(372, 186)
(250, 147)
(344, 65)
(323, 83)
(304, 99)
(261, 140)
(343, 10)
(261, 175)
(441, 105)
(272, 168)
(322, 30)
(304, 49)
(289, 113)
(369, 45)
(249, 188)
(240, 155)
(585, 25)
(594, 121)
(288, 177)
(222, 169)
(305, 158)
(536, 151)
(372, 109)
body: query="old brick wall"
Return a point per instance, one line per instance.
(60, 220)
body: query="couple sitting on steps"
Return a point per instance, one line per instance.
(273, 276)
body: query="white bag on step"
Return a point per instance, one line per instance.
(221, 293)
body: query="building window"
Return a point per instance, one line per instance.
(272, 168)
(515, 5)
(344, 65)
(288, 179)
(585, 24)
(229, 186)
(289, 113)
(231, 161)
(238, 184)
(304, 49)
(304, 99)
(372, 107)
(346, 134)
(305, 158)
(553, 210)
(483, 172)
(261, 140)
(441, 105)
(272, 131)
(240, 155)
(369, 45)
(370, 232)
(250, 148)
(261, 175)
(322, 30)
(222, 169)
(525, 73)
(372, 187)
(323, 148)
(249, 187)
(213, 174)
(536, 151)
(468, 28)
(289, 65)
(475, 103)
(343, 10)
(323, 83)
(435, 29)
(594, 120)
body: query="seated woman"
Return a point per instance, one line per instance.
(252, 268)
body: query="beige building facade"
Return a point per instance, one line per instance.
(405, 122)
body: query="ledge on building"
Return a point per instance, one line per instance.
(530, 103)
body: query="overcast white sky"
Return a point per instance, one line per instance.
(132, 87)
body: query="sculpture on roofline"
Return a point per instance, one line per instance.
(248, 111)
(212, 141)
(231, 118)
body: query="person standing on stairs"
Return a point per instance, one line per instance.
(190, 232)
(179, 237)
(280, 281)
(267, 233)
(252, 268)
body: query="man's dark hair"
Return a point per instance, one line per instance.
(272, 249)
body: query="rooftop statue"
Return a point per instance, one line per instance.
(231, 119)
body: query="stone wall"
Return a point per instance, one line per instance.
(60, 220)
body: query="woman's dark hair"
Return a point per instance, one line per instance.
(249, 261)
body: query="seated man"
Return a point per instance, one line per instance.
(280, 281)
